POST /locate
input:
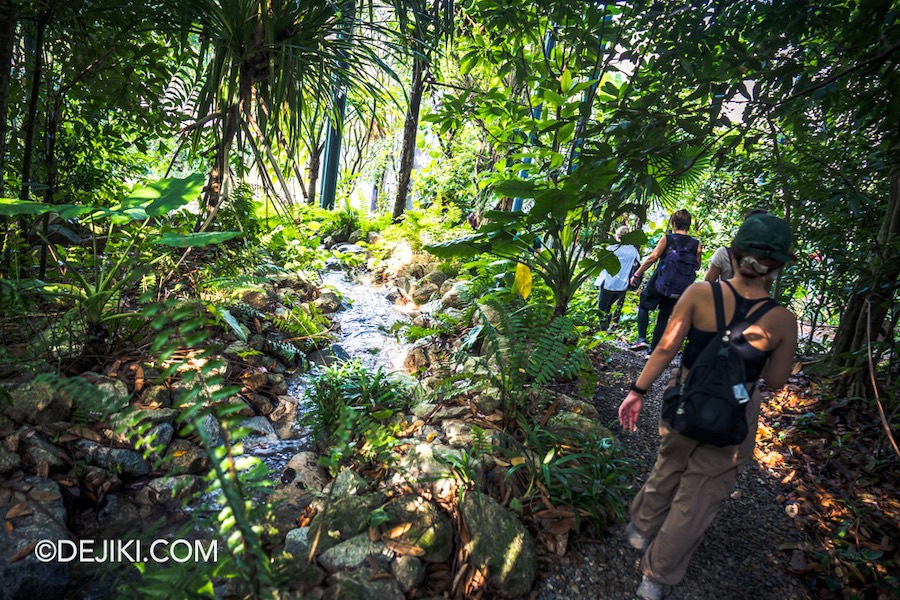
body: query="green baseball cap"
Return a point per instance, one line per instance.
(765, 236)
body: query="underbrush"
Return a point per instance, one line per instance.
(840, 477)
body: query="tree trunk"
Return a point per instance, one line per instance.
(8, 16)
(410, 128)
(31, 118)
(54, 116)
(870, 302)
(315, 159)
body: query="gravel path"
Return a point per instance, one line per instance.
(739, 556)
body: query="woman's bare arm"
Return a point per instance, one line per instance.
(781, 361)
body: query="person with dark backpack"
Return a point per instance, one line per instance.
(735, 334)
(678, 255)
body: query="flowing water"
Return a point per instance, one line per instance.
(362, 331)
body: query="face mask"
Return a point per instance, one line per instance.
(751, 262)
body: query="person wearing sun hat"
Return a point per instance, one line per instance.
(690, 479)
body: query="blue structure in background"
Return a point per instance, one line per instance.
(332, 160)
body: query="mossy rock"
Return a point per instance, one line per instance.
(340, 519)
(429, 529)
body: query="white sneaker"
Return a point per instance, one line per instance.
(635, 540)
(649, 589)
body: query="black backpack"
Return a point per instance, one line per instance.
(710, 405)
(677, 268)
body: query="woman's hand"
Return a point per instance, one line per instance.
(629, 410)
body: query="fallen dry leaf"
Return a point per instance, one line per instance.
(23, 552)
(398, 530)
(403, 548)
(19, 510)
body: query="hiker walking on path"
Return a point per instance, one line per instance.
(690, 479)
(614, 285)
(679, 258)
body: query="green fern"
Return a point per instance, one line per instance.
(554, 353)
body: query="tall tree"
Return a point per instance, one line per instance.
(430, 23)
(9, 14)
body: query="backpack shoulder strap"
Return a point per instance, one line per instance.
(759, 312)
(720, 306)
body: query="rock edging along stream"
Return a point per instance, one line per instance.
(420, 527)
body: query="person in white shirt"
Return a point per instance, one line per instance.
(614, 285)
(720, 263)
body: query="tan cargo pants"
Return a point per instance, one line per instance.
(682, 495)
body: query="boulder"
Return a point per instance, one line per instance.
(362, 583)
(353, 553)
(422, 293)
(455, 296)
(500, 544)
(347, 483)
(451, 412)
(488, 400)
(393, 294)
(436, 277)
(446, 286)
(487, 312)
(175, 490)
(157, 395)
(37, 404)
(297, 543)
(303, 470)
(39, 450)
(183, 458)
(373, 237)
(277, 384)
(408, 571)
(8, 460)
(421, 468)
(287, 502)
(120, 515)
(261, 404)
(421, 354)
(355, 236)
(340, 519)
(416, 522)
(462, 435)
(328, 302)
(577, 406)
(260, 426)
(41, 516)
(211, 429)
(157, 439)
(564, 421)
(284, 416)
(121, 461)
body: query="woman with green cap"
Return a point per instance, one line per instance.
(690, 479)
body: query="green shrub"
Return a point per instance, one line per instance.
(588, 475)
(354, 414)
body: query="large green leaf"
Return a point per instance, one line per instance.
(11, 207)
(165, 195)
(195, 240)
(516, 188)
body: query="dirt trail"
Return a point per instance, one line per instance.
(740, 555)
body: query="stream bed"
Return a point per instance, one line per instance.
(362, 331)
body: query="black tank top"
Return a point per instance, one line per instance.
(754, 359)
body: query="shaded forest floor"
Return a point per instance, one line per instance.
(815, 516)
